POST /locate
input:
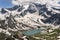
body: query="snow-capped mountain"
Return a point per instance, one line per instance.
(30, 15)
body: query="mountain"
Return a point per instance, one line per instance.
(43, 15)
(27, 17)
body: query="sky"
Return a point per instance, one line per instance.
(5, 4)
(8, 3)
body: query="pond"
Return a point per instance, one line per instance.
(31, 32)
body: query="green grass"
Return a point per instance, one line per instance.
(49, 36)
(2, 36)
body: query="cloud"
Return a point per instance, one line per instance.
(17, 2)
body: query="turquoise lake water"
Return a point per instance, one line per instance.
(32, 32)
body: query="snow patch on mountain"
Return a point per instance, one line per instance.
(30, 14)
